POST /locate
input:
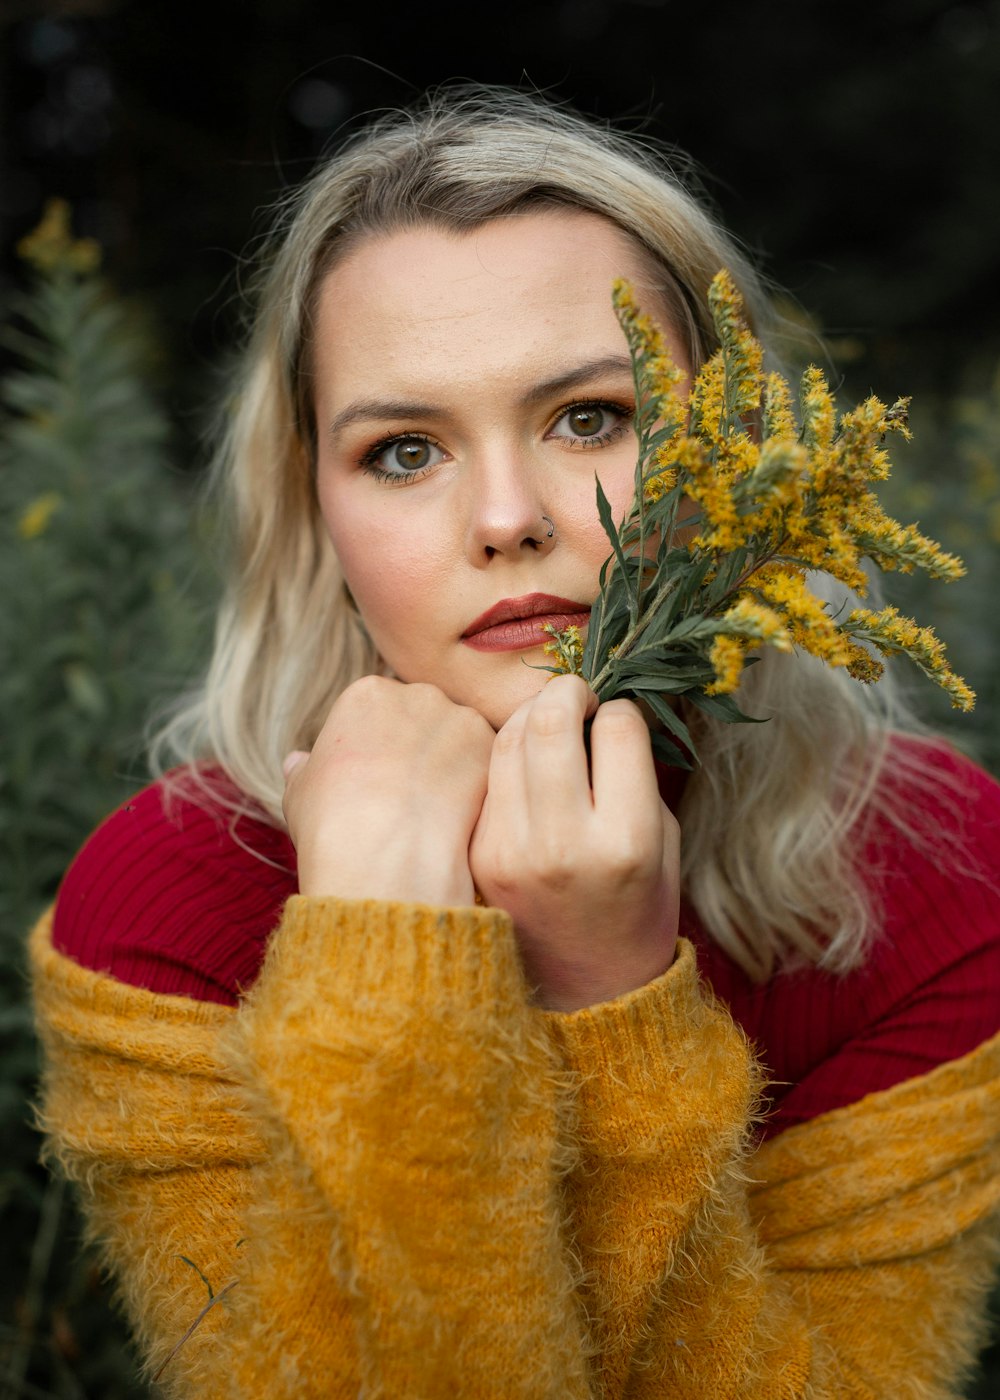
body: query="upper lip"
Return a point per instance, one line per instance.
(531, 605)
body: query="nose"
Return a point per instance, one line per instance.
(507, 512)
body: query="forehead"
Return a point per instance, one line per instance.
(540, 274)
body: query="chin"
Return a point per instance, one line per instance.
(497, 704)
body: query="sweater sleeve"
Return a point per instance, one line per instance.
(847, 1259)
(362, 1165)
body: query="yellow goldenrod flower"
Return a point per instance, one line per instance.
(34, 521)
(863, 666)
(755, 622)
(779, 417)
(741, 352)
(727, 658)
(708, 401)
(809, 623)
(818, 414)
(565, 648)
(902, 547)
(658, 372)
(658, 482)
(776, 494)
(891, 632)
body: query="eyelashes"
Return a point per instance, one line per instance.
(402, 458)
(412, 452)
(577, 415)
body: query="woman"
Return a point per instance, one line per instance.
(403, 1052)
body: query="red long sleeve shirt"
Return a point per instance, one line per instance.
(174, 897)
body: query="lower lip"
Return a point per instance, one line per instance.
(524, 632)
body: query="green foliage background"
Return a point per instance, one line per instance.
(106, 600)
(103, 616)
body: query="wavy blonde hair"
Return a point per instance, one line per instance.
(771, 817)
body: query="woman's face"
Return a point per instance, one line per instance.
(469, 386)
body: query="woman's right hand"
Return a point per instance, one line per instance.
(385, 804)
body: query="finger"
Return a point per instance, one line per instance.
(506, 796)
(555, 755)
(621, 760)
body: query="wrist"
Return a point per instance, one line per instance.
(565, 986)
(406, 876)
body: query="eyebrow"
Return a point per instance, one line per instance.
(368, 410)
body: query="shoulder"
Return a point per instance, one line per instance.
(929, 990)
(935, 840)
(176, 891)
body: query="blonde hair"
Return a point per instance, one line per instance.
(771, 816)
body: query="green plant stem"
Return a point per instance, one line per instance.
(633, 634)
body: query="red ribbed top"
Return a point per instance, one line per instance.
(175, 897)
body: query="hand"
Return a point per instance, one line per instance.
(385, 804)
(587, 867)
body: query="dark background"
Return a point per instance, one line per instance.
(855, 148)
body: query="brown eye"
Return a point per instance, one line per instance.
(593, 424)
(587, 420)
(411, 454)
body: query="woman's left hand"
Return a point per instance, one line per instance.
(587, 865)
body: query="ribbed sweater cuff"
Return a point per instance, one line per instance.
(639, 1028)
(416, 954)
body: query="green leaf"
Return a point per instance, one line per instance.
(668, 752)
(723, 707)
(669, 718)
(607, 520)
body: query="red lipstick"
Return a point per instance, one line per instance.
(516, 624)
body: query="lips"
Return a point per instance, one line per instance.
(516, 624)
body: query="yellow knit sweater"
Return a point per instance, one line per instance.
(399, 1179)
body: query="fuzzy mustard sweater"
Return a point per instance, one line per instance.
(399, 1179)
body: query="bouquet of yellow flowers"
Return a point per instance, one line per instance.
(737, 499)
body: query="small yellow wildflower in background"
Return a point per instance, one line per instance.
(51, 244)
(687, 597)
(34, 520)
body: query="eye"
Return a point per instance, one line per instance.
(592, 424)
(402, 459)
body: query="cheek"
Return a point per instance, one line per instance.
(618, 484)
(387, 569)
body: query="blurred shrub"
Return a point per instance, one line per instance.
(99, 577)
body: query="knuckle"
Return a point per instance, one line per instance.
(558, 862)
(362, 696)
(632, 852)
(367, 685)
(497, 867)
(620, 717)
(554, 710)
(546, 721)
(474, 724)
(625, 864)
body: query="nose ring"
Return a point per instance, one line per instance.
(551, 530)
